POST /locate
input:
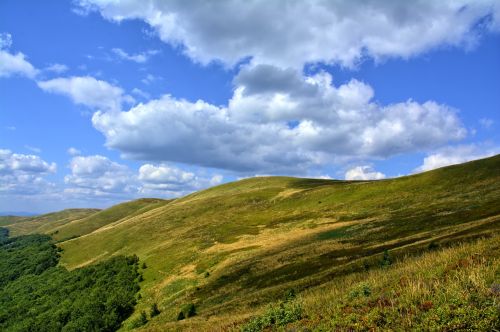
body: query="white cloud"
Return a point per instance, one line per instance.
(486, 123)
(88, 91)
(57, 68)
(99, 176)
(139, 58)
(74, 151)
(158, 178)
(292, 33)
(150, 79)
(278, 121)
(13, 64)
(363, 173)
(33, 148)
(5, 40)
(22, 174)
(456, 155)
(140, 93)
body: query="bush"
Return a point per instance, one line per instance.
(361, 290)
(433, 246)
(154, 310)
(290, 295)
(278, 315)
(140, 321)
(386, 259)
(190, 310)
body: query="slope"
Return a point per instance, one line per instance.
(45, 223)
(232, 248)
(105, 217)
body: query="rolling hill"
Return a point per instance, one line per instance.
(232, 249)
(46, 223)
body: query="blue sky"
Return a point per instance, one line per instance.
(105, 101)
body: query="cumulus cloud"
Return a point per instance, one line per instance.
(22, 174)
(278, 121)
(74, 151)
(12, 64)
(150, 79)
(167, 178)
(88, 91)
(363, 173)
(57, 68)
(141, 93)
(139, 57)
(292, 33)
(99, 176)
(486, 123)
(456, 155)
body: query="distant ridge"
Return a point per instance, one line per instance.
(17, 214)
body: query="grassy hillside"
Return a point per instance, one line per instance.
(8, 220)
(45, 223)
(105, 217)
(71, 223)
(231, 249)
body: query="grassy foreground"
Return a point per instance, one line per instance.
(451, 289)
(357, 254)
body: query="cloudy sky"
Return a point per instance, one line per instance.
(103, 101)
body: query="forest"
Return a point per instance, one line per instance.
(38, 295)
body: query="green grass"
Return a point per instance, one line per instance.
(259, 237)
(105, 217)
(233, 249)
(447, 289)
(44, 224)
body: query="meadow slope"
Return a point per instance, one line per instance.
(234, 248)
(45, 223)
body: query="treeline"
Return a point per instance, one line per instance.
(36, 295)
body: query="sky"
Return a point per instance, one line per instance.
(105, 101)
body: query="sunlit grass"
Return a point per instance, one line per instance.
(232, 249)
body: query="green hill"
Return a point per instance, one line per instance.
(45, 223)
(114, 214)
(72, 223)
(232, 249)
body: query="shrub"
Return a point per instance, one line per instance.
(154, 310)
(278, 315)
(140, 321)
(190, 310)
(433, 246)
(386, 259)
(290, 295)
(360, 290)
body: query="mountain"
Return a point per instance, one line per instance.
(232, 249)
(44, 223)
(17, 214)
